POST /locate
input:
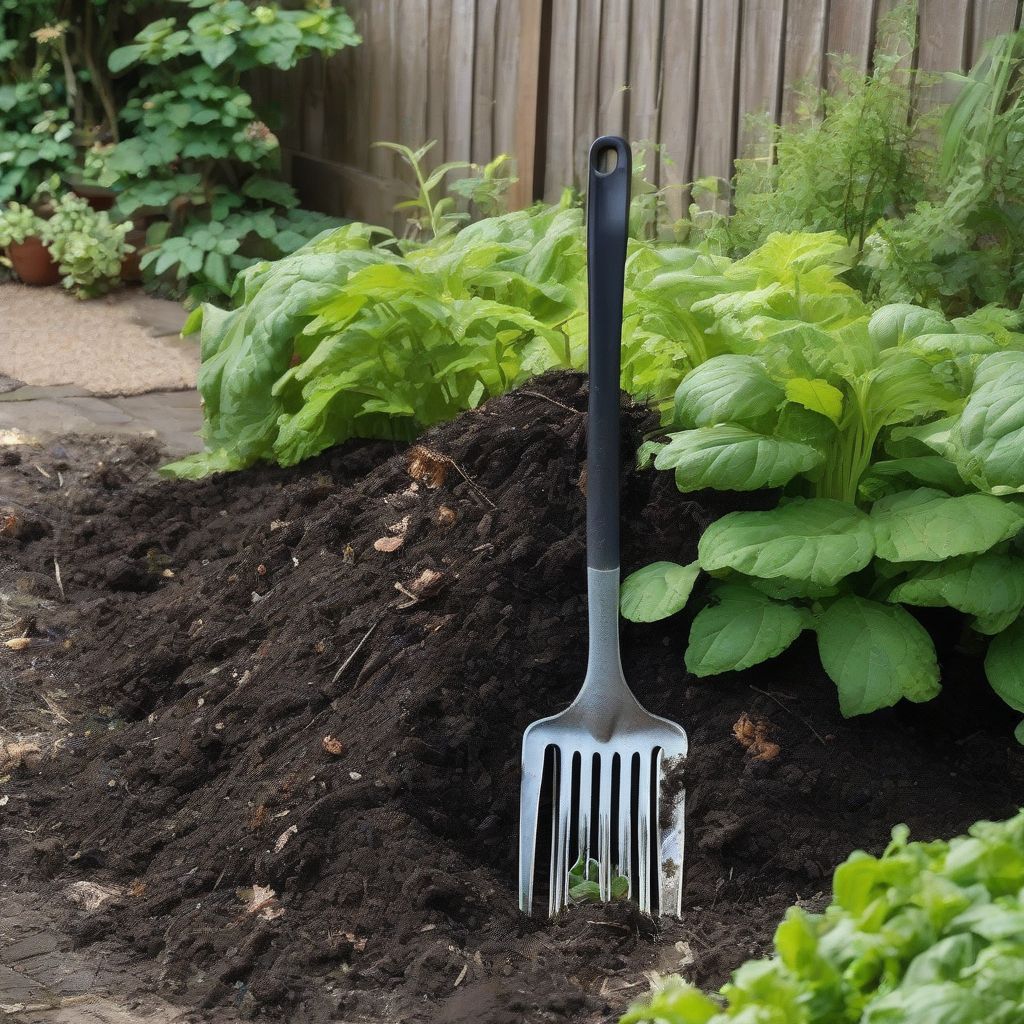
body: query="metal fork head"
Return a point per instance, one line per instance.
(616, 756)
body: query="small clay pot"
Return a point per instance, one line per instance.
(32, 262)
(99, 197)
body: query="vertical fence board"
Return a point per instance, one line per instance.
(761, 48)
(645, 57)
(679, 91)
(714, 143)
(943, 27)
(560, 138)
(613, 67)
(850, 33)
(482, 143)
(523, 104)
(803, 57)
(587, 98)
(459, 113)
(990, 18)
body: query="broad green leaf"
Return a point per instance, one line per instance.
(988, 585)
(891, 475)
(1004, 665)
(1018, 733)
(727, 388)
(732, 458)
(814, 539)
(817, 395)
(657, 590)
(901, 322)
(925, 525)
(744, 628)
(989, 439)
(876, 654)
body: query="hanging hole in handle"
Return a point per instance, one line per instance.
(607, 160)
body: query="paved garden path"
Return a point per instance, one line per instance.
(111, 366)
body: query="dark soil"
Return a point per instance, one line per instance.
(213, 634)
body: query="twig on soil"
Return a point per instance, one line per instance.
(60, 584)
(790, 711)
(348, 661)
(553, 401)
(473, 485)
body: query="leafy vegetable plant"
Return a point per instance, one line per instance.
(896, 439)
(927, 933)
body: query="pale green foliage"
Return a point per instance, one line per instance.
(87, 246)
(928, 933)
(18, 222)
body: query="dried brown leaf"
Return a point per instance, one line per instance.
(755, 737)
(446, 516)
(427, 466)
(388, 544)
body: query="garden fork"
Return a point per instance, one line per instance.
(607, 751)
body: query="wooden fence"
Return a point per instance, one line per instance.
(540, 78)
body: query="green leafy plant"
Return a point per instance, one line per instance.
(893, 438)
(347, 338)
(433, 214)
(926, 933)
(853, 156)
(87, 246)
(199, 148)
(584, 883)
(17, 223)
(962, 245)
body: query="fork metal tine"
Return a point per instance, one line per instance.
(643, 828)
(529, 815)
(626, 820)
(604, 826)
(562, 809)
(586, 793)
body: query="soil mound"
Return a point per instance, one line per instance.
(298, 700)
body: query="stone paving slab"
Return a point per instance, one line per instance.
(172, 417)
(44, 980)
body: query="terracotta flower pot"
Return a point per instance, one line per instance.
(32, 262)
(99, 197)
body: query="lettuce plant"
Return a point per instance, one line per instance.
(927, 933)
(896, 439)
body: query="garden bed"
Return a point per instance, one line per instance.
(256, 695)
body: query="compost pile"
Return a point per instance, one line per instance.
(298, 701)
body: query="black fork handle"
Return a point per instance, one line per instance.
(607, 228)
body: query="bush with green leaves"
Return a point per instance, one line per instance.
(963, 245)
(895, 438)
(931, 202)
(928, 933)
(197, 143)
(87, 246)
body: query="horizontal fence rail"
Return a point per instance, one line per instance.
(539, 79)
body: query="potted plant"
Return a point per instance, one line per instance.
(94, 181)
(90, 249)
(22, 233)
